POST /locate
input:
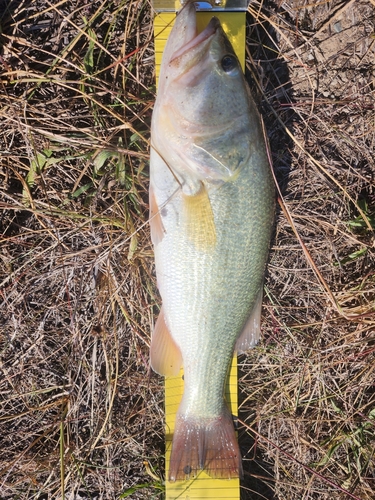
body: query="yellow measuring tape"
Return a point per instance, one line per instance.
(203, 486)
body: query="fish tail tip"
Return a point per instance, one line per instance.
(205, 444)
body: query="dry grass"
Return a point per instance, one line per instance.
(81, 414)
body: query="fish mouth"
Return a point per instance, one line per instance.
(207, 33)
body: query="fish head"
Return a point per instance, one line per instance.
(201, 114)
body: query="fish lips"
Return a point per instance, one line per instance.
(202, 38)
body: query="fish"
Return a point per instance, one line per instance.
(211, 215)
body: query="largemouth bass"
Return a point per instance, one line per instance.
(212, 210)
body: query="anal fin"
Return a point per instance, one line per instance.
(166, 357)
(199, 219)
(251, 332)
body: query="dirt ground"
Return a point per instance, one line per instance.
(81, 413)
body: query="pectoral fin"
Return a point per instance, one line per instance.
(251, 332)
(166, 358)
(156, 223)
(199, 219)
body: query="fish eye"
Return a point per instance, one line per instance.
(229, 63)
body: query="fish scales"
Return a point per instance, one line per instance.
(212, 208)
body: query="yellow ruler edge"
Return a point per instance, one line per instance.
(202, 487)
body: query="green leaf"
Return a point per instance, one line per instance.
(133, 489)
(81, 190)
(132, 247)
(47, 152)
(101, 158)
(329, 454)
(359, 222)
(88, 60)
(353, 256)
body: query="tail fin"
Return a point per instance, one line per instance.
(208, 444)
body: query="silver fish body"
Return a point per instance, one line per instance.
(212, 210)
